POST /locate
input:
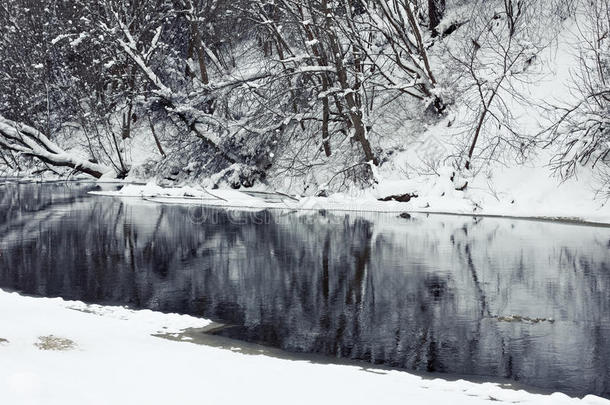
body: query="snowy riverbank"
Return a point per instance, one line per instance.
(98, 365)
(526, 192)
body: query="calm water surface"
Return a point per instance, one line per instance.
(524, 300)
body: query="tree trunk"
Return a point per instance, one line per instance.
(325, 118)
(157, 141)
(196, 38)
(436, 10)
(354, 109)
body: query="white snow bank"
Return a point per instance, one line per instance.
(117, 361)
(228, 198)
(523, 191)
(153, 190)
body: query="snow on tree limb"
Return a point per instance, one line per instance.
(28, 141)
(184, 109)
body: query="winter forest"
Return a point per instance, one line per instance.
(314, 96)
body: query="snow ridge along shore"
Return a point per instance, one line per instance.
(100, 366)
(521, 192)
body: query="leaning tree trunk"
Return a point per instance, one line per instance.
(28, 141)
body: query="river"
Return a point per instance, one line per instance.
(528, 301)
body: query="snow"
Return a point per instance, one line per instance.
(79, 40)
(37, 143)
(153, 190)
(117, 359)
(59, 38)
(314, 69)
(522, 191)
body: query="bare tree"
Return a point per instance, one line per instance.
(494, 62)
(580, 129)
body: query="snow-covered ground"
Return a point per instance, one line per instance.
(521, 191)
(110, 355)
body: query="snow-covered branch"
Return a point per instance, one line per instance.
(28, 141)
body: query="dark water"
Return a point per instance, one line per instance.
(428, 294)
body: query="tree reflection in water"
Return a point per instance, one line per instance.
(432, 293)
